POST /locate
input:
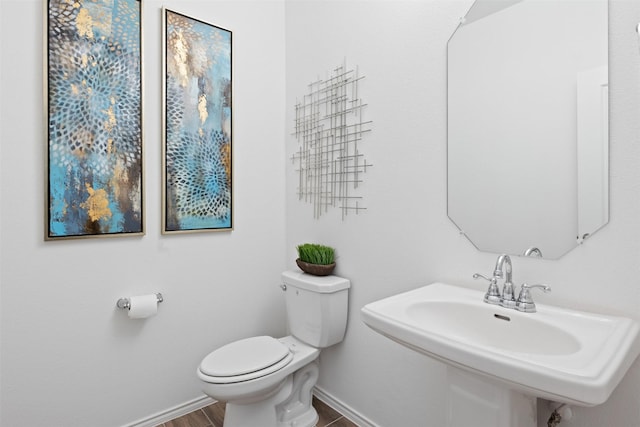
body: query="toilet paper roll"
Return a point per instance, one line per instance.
(143, 306)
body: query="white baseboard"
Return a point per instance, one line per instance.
(173, 413)
(345, 410)
(200, 402)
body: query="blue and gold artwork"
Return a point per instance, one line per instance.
(198, 127)
(94, 118)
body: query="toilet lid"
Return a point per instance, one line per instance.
(246, 356)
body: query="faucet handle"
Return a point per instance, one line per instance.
(480, 276)
(492, 296)
(525, 302)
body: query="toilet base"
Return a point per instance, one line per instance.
(288, 406)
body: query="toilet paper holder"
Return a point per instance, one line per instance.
(126, 302)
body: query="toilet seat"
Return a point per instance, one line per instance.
(245, 360)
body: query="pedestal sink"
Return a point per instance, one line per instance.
(500, 360)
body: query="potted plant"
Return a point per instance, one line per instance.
(315, 259)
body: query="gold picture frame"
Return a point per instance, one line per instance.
(197, 192)
(93, 102)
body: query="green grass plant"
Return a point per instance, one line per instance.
(316, 254)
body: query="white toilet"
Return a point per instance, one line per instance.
(268, 382)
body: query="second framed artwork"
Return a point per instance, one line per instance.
(197, 126)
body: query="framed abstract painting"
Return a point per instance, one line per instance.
(93, 91)
(197, 121)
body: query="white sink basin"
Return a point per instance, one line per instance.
(558, 354)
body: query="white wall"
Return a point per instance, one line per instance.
(405, 239)
(69, 357)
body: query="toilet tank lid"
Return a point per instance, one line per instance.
(320, 284)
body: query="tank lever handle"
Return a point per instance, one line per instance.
(283, 287)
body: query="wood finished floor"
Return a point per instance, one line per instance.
(213, 416)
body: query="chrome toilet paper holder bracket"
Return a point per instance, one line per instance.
(126, 302)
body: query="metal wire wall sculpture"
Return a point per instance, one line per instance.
(329, 127)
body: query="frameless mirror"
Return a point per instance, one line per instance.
(528, 138)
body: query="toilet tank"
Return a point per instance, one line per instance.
(316, 307)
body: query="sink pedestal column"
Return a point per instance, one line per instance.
(478, 401)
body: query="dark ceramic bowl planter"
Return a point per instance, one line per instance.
(316, 269)
(315, 259)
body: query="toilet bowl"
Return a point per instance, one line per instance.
(268, 382)
(264, 370)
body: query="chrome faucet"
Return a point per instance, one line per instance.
(504, 270)
(533, 252)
